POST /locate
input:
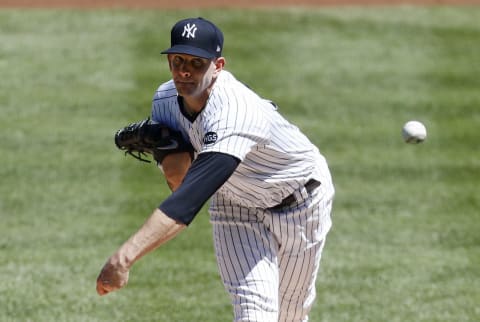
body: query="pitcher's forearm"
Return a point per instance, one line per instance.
(157, 230)
(174, 167)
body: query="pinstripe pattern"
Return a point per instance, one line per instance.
(165, 109)
(276, 157)
(268, 260)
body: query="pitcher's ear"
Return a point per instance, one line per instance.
(220, 63)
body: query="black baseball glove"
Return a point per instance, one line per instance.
(146, 136)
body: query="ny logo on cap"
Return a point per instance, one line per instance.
(189, 31)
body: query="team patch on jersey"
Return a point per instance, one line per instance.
(210, 138)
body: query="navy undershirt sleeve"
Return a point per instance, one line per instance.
(206, 175)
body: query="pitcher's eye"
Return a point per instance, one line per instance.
(198, 63)
(177, 61)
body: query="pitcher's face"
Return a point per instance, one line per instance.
(193, 76)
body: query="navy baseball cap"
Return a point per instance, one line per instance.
(196, 37)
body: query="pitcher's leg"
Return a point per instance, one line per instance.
(297, 284)
(302, 232)
(247, 262)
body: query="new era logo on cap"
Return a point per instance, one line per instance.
(196, 37)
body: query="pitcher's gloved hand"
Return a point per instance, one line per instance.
(147, 136)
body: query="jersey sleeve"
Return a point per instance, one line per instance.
(206, 175)
(237, 128)
(165, 111)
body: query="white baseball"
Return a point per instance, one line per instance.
(414, 132)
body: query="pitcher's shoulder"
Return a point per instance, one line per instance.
(166, 90)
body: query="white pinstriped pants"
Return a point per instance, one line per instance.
(269, 260)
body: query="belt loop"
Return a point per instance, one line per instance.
(298, 195)
(301, 194)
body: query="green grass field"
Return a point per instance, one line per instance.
(405, 245)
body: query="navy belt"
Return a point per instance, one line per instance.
(311, 185)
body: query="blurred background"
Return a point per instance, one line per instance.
(405, 245)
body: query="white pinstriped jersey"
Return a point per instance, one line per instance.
(276, 157)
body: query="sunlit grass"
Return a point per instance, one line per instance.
(405, 241)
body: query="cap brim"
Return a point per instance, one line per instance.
(189, 50)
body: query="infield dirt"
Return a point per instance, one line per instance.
(215, 3)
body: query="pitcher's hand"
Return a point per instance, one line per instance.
(112, 277)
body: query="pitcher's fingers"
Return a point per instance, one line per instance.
(102, 288)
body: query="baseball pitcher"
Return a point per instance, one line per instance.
(269, 187)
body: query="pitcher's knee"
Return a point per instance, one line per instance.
(254, 307)
(295, 305)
